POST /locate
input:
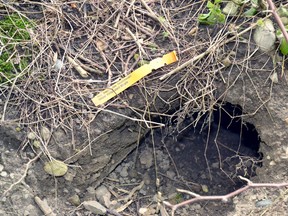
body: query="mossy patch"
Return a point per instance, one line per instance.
(14, 36)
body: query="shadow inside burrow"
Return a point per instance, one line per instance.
(211, 154)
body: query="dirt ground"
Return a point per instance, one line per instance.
(197, 129)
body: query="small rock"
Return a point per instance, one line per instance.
(215, 165)
(205, 188)
(143, 211)
(31, 136)
(272, 163)
(103, 195)
(58, 65)
(165, 164)
(55, 168)
(30, 210)
(147, 211)
(74, 200)
(45, 133)
(36, 143)
(146, 158)
(274, 78)
(143, 192)
(264, 35)
(1, 167)
(146, 178)
(77, 190)
(118, 169)
(124, 172)
(90, 190)
(203, 176)
(263, 203)
(12, 175)
(95, 207)
(112, 175)
(133, 173)
(170, 174)
(71, 173)
(4, 174)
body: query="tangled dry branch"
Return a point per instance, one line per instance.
(223, 198)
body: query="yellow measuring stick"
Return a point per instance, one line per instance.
(133, 77)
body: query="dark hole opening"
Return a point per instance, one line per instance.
(212, 153)
(228, 116)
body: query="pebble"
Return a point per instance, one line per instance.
(1, 167)
(146, 178)
(113, 175)
(272, 163)
(133, 173)
(146, 158)
(90, 190)
(203, 176)
(124, 172)
(143, 192)
(263, 203)
(165, 165)
(95, 207)
(103, 195)
(3, 174)
(170, 174)
(143, 211)
(30, 210)
(215, 165)
(118, 168)
(70, 175)
(77, 190)
(58, 65)
(31, 136)
(74, 200)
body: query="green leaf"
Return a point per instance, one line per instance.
(210, 5)
(284, 46)
(251, 12)
(204, 17)
(282, 11)
(217, 1)
(214, 16)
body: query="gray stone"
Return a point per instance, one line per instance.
(146, 178)
(170, 174)
(95, 207)
(1, 167)
(263, 203)
(74, 200)
(31, 210)
(103, 195)
(124, 172)
(146, 158)
(3, 174)
(165, 164)
(215, 165)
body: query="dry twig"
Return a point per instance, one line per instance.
(278, 19)
(43, 205)
(223, 198)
